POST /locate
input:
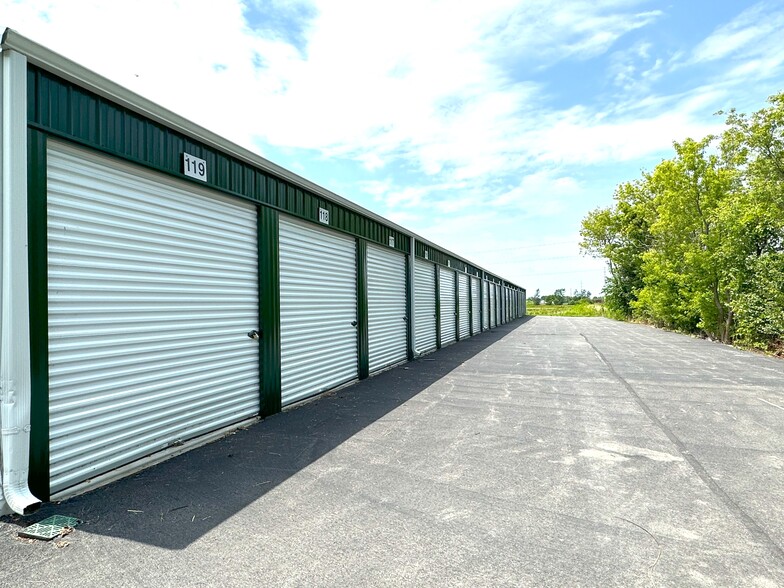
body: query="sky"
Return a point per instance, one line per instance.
(491, 128)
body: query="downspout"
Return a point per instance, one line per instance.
(14, 306)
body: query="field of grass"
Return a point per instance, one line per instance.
(584, 309)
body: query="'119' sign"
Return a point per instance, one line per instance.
(194, 167)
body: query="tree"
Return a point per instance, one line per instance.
(536, 298)
(698, 244)
(621, 234)
(685, 284)
(556, 298)
(755, 221)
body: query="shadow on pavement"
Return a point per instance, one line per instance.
(174, 503)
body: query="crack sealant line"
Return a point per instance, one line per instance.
(751, 525)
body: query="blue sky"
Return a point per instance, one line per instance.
(489, 127)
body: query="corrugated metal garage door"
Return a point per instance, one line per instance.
(318, 310)
(447, 300)
(387, 321)
(493, 309)
(152, 289)
(425, 306)
(464, 312)
(476, 314)
(486, 303)
(508, 306)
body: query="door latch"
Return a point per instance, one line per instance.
(254, 334)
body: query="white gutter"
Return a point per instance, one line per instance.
(73, 72)
(14, 301)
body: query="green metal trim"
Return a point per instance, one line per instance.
(409, 305)
(457, 305)
(481, 302)
(363, 348)
(269, 311)
(39, 315)
(68, 111)
(438, 306)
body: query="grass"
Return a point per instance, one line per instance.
(582, 309)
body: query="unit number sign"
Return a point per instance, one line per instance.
(194, 167)
(324, 216)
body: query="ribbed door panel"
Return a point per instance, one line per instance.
(486, 303)
(509, 313)
(425, 306)
(447, 299)
(493, 310)
(465, 307)
(318, 303)
(508, 307)
(152, 289)
(476, 314)
(387, 324)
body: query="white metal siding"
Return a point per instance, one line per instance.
(465, 307)
(476, 316)
(387, 321)
(425, 306)
(318, 303)
(152, 289)
(447, 300)
(486, 303)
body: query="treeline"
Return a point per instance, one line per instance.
(560, 297)
(697, 245)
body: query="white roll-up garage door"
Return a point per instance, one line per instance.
(387, 321)
(318, 310)
(152, 289)
(486, 303)
(493, 309)
(464, 311)
(446, 297)
(476, 315)
(509, 308)
(424, 306)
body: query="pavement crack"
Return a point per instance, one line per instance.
(751, 525)
(658, 556)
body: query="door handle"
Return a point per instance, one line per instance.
(254, 334)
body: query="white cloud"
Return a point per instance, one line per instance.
(754, 31)
(540, 193)
(444, 107)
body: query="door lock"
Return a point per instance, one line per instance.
(354, 323)
(254, 334)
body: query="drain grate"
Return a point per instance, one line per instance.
(49, 528)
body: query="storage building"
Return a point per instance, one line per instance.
(161, 285)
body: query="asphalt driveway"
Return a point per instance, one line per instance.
(549, 452)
